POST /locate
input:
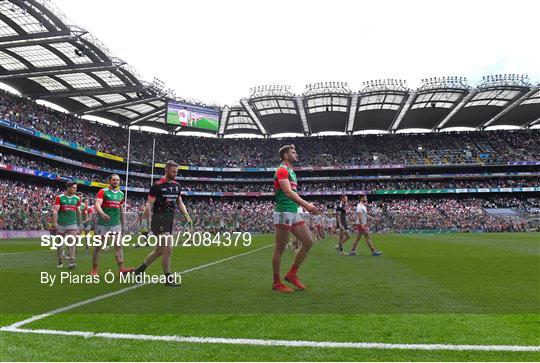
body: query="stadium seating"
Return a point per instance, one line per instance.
(436, 148)
(74, 172)
(28, 206)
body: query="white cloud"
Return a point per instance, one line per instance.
(216, 50)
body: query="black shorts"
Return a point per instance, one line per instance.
(162, 223)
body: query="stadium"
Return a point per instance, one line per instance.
(448, 173)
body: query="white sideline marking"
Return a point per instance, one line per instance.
(117, 292)
(22, 253)
(15, 328)
(280, 343)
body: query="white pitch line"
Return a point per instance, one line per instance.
(15, 328)
(279, 343)
(21, 253)
(117, 292)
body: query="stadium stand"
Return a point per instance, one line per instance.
(266, 185)
(442, 148)
(448, 213)
(459, 180)
(28, 206)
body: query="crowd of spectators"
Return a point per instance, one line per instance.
(441, 214)
(27, 113)
(430, 148)
(25, 206)
(505, 182)
(74, 172)
(344, 186)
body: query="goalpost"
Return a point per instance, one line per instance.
(133, 218)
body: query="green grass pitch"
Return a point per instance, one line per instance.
(471, 289)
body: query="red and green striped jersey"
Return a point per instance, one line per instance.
(82, 208)
(86, 210)
(283, 203)
(67, 214)
(113, 200)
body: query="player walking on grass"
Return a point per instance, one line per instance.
(362, 228)
(319, 226)
(162, 201)
(287, 219)
(67, 221)
(86, 213)
(110, 222)
(330, 222)
(343, 228)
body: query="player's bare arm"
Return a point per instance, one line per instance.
(56, 208)
(147, 214)
(100, 211)
(122, 219)
(79, 218)
(285, 186)
(183, 209)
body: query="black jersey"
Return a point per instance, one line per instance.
(342, 214)
(166, 194)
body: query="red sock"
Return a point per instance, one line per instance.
(294, 270)
(276, 279)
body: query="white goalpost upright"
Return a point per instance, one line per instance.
(132, 217)
(127, 169)
(153, 160)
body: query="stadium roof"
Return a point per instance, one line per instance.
(44, 56)
(389, 105)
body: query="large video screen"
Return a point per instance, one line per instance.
(192, 116)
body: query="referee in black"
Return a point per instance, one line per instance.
(341, 220)
(163, 199)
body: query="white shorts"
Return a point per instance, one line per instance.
(362, 228)
(102, 230)
(287, 219)
(64, 229)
